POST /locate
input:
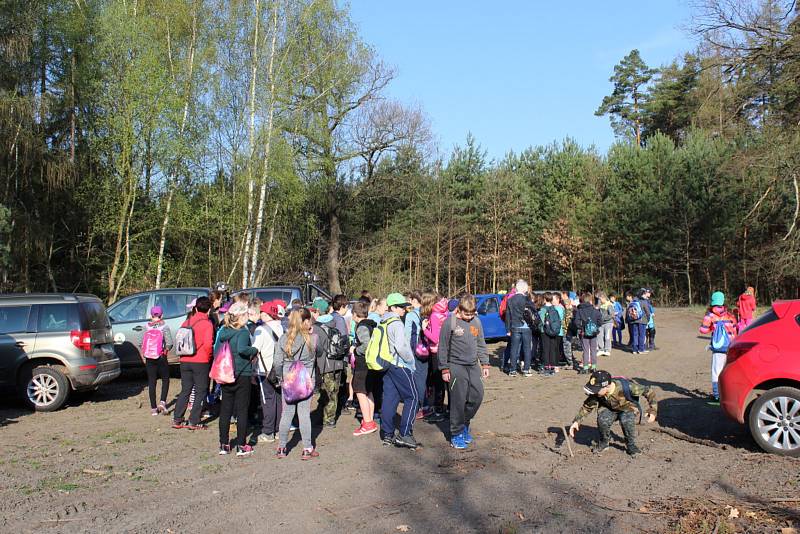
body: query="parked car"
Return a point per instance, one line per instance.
(489, 314)
(760, 384)
(129, 317)
(53, 344)
(306, 293)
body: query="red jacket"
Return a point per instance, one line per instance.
(746, 305)
(203, 338)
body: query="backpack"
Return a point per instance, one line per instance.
(338, 345)
(184, 341)
(504, 305)
(590, 328)
(532, 319)
(634, 311)
(720, 338)
(297, 383)
(153, 342)
(626, 390)
(379, 354)
(370, 325)
(222, 371)
(552, 322)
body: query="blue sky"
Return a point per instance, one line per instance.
(517, 73)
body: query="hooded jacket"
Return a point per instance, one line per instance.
(585, 312)
(203, 338)
(325, 364)
(746, 305)
(398, 344)
(242, 351)
(462, 343)
(434, 327)
(715, 314)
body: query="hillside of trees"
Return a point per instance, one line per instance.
(163, 143)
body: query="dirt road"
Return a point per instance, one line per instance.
(105, 464)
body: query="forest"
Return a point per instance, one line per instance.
(168, 143)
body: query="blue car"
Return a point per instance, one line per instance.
(489, 313)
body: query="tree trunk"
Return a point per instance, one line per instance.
(333, 253)
(466, 271)
(438, 245)
(252, 143)
(162, 243)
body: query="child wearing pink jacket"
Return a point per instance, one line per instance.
(434, 313)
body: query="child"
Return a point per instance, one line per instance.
(587, 323)
(607, 324)
(464, 362)
(566, 343)
(614, 398)
(552, 330)
(156, 342)
(619, 321)
(718, 316)
(398, 379)
(747, 307)
(650, 332)
(434, 314)
(364, 379)
(264, 338)
(413, 331)
(628, 321)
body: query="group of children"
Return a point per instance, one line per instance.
(374, 355)
(545, 327)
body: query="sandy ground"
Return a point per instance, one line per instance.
(104, 464)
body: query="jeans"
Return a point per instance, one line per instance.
(398, 386)
(616, 335)
(303, 411)
(157, 368)
(235, 400)
(638, 333)
(421, 379)
(192, 375)
(520, 337)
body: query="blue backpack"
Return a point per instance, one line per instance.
(720, 339)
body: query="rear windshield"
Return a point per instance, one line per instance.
(94, 316)
(761, 321)
(274, 294)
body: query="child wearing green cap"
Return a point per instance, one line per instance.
(721, 325)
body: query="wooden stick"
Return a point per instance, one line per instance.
(568, 439)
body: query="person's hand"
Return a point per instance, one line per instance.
(485, 371)
(651, 417)
(574, 428)
(425, 323)
(446, 375)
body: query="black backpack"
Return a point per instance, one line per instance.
(337, 346)
(369, 324)
(552, 322)
(532, 319)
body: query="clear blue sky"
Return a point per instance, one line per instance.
(517, 73)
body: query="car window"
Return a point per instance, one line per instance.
(129, 310)
(491, 306)
(273, 294)
(14, 319)
(94, 316)
(174, 304)
(58, 318)
(315, 292)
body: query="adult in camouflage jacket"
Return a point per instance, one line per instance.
(608, 395)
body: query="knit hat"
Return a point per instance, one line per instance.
(717, 298)
(321, 305)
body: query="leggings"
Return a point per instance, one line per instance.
(589, 351)
(235, 399)
(157, 368)
(303, 411)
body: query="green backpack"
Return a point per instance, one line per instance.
(378, 354)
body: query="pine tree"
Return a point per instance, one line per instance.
(626, 104)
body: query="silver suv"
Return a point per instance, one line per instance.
(53, 344)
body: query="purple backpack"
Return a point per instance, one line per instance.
(297, 384)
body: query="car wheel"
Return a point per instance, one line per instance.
(46, 388)
(775, 421)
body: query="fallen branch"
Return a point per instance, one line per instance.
(567, 438)
(680, 435)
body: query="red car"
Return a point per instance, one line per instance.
(761, 379)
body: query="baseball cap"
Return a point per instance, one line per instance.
(321, 305)
(597, 381)
(156, 311)
(270, 308)
(396, 299)
(192, 304)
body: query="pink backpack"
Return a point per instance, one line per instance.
(153, 342)
(435, 322)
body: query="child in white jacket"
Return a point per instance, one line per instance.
(264, 338)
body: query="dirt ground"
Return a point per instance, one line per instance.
(104, 464)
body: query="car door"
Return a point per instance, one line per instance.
(174, 303)
(489, 313)
(17, 337)
(129, 318)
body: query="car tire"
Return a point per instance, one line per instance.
(45, 388)
(774, 421)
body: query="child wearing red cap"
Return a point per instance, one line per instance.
(264, 338)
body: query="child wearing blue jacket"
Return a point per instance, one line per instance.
(619, 320)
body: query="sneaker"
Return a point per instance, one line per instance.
(266, 438)
(366, 428)
(244, 450)
(633, 451)
(406, 441)
(388, 439)
(309, 454)
(420, 414)
(457, 442)
(527, 373)
(349, 406)
(179, 423)
(646, 351)
(512, 373)
(224, 449)
(292, 428)
(600, 446)
(435, 417)
(154, 411)
(555, 370)
(162, 407)
(280, 452)
(331, 424)
(198, 426)
(466, 435)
